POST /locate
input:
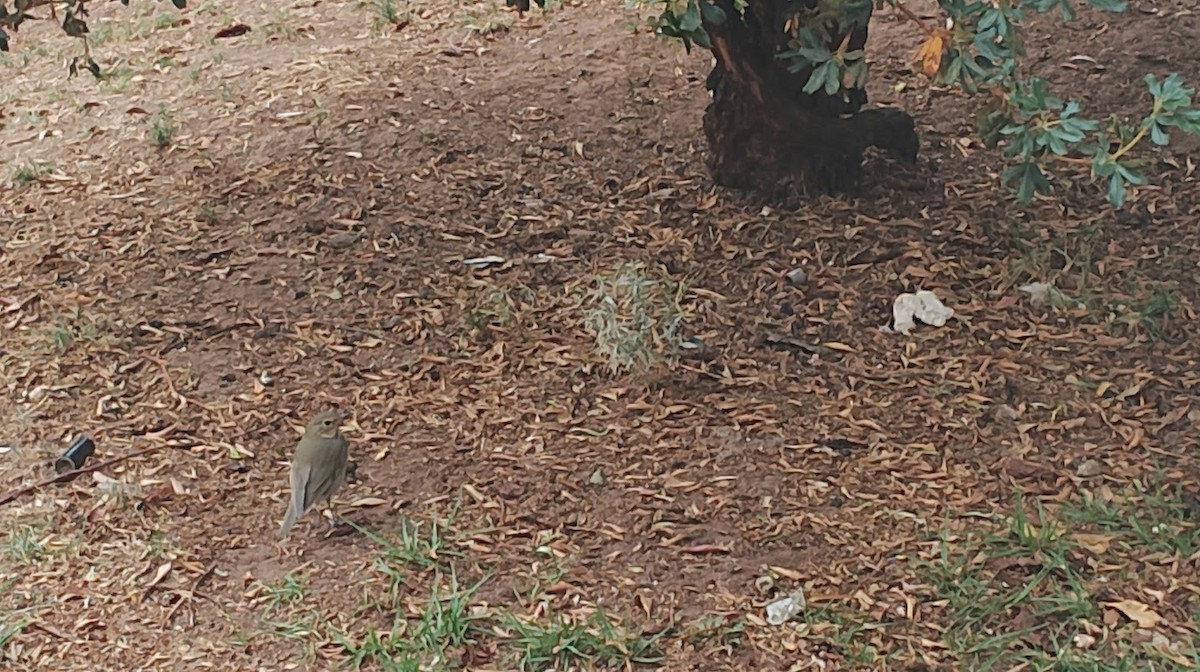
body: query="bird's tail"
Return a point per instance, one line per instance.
(288, 521)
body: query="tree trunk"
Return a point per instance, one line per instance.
(765, 133)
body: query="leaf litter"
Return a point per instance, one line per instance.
(183, 301)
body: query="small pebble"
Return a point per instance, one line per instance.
(1089, 468)
(345, 239)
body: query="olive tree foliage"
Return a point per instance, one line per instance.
(70, 14)
(979, 48)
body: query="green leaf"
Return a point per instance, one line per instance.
(854, 14)
(1116, 190)
(814, 55)
(712, 13)
(816, 80)
(821, 77)
(953, 72)
(1153, 84)
(1109, 5)
(1158, 136)
(690, 21)
(833, 81)
(988, 21)
(1130, 175)
(1056, 144)
(1029, 179)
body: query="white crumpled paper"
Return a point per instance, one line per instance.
(784, 609)
(924, 306)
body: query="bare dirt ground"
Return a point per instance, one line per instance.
(228, 234)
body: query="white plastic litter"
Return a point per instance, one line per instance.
(483, 262)
(1042, 293)
(924, 306)
(784, 609)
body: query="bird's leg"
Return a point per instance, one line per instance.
(333, 517)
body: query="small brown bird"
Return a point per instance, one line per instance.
(318, 468)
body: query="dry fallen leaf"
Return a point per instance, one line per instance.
(160, 574)
(1096, 543)
(1137, 612)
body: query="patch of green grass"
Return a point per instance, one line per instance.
(547, 574)
(25, 544)
(1047, 255)
(164, 21)
(305, 628)
(416, 546)
(557, 642)
(486, 18)
(716, 632)
(1019, 594)
(846, 630)
(286, 592)
(36, 544)
(196, 72)
(280, 28)
(30, 173)
(13, 623)
(1151, 518)
(489, 306)
(162, 130)
(424, 642)
(1150, 310)
(208, 213)
(99, 33)
(1071, 261)
(158, 546)
(388, 13)
(635, 315)
(116, 79)
(211, 9)
(306, 632)
(23, 59)
(61, 338)
(71, 328)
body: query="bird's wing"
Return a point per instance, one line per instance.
(301, 489)
(296, 507)
(319, 488)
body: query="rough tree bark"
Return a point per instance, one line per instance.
(764, 133)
